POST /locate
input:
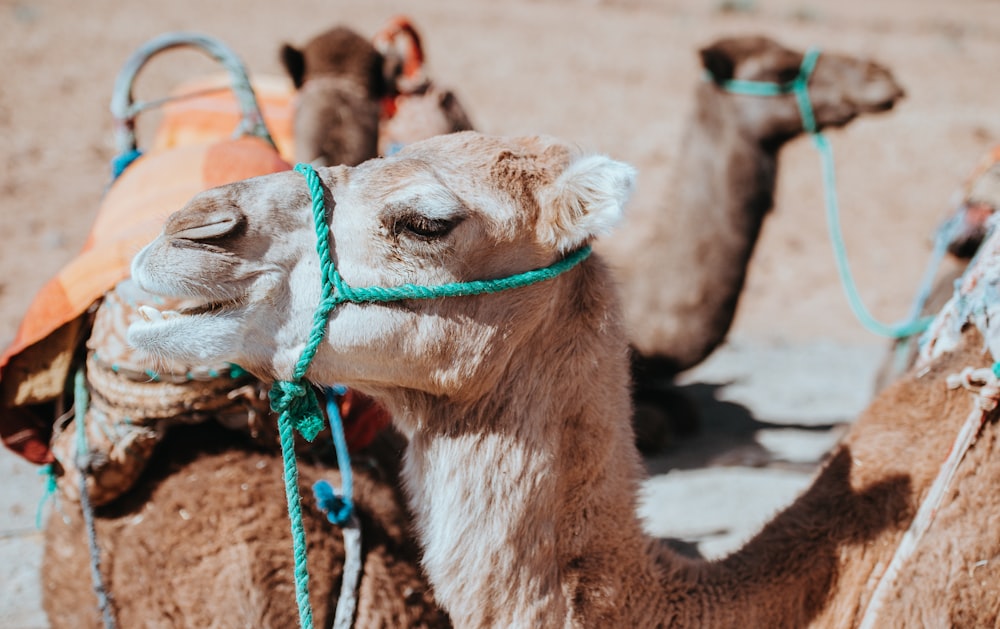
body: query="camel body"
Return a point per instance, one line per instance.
(521, 469)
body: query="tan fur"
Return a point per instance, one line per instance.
(521, 469)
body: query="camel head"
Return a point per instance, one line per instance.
(340, 78)
(840, 87)
(337, 52)
(453, 208)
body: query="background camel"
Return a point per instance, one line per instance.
(521, 467)
(381, 87)
(341, 80)
(722, 189)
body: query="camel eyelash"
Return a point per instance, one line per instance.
(422, 226)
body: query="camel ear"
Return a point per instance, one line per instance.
(718, 62)
(295, 63)
(585, 201)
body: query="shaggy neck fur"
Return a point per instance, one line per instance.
(514, 493)
(722, 189)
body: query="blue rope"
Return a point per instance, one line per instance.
(338, 506)
(799, 87)
(122, 161)
(295, 401)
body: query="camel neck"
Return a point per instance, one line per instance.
(722, 189)
(525, 503)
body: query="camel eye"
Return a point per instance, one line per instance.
(787, 75)
(424, 227)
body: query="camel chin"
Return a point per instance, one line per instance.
(196, 338)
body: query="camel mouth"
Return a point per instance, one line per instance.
(214, 307)
(874, 107)
(153, 315)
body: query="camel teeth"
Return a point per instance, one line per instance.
(150, 314)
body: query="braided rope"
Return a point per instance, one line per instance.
(295, 401)
(799, 87)
(81, 400)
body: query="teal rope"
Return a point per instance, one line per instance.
(286, 432)
(295, 401)
(914, 323)
(799, 87)
(49, 472)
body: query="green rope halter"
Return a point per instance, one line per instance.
(799, 87)
(295, 400)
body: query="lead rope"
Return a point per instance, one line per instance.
(985, 383)
(339, 509)
(799, 87)
(295, 401)
(81, 401)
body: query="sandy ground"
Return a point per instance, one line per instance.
(612, 76)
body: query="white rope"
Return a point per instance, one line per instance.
(348, 602)
(987, 387)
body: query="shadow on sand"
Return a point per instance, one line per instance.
(726, 436)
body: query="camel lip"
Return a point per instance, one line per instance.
(881, 106)
(214, 307)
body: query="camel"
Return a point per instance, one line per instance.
(722, 190)
(340, 80)
(420, 107)
(380, 86)
(521, 468)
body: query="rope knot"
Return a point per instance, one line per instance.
(338, 509)
(297, 401)
(983, 382)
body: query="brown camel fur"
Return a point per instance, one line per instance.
(204, 541)
(340, 78)
(521, 468)
(682, 268)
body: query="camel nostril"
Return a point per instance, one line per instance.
(203, 225)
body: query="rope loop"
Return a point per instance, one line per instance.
(984, 382)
